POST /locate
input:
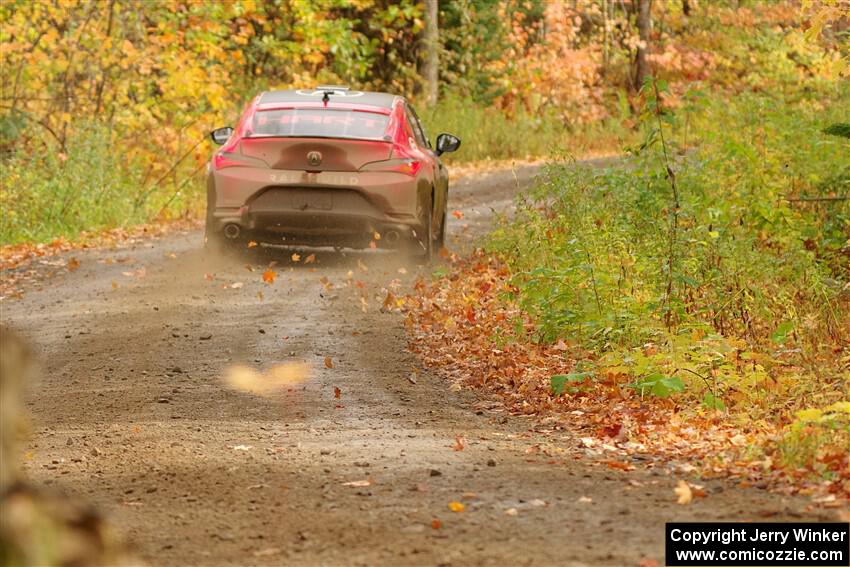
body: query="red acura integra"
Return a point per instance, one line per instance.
(328, 167)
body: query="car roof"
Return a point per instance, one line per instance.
(335, 94)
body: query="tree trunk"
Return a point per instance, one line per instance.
(431, 58)
(644, 23)
(686, 7)
(605, 54)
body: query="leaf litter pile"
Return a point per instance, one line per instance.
(458, 324)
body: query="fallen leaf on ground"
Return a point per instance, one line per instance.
(329, 363)
(460, 443)
(114, 285)
(269, 276)
(252, 243)
(619, 465)
(389, 301)
(242, 447)
(456, 506)
(511, 512)
(209, 277)
(73, 264)
(267, 551)
(435, 524)
(337, 392)
(683, 491)
(296, 257)
(738, 440)
(236, 285)
(358, 483)
(311, 259)
(457, 214)
(585, 499)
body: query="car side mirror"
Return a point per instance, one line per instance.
(447, 143)
(220, 135)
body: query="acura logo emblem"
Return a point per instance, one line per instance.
(314, 158)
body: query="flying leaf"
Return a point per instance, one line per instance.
(252, 244)
(456, 506)
(296, 257)
(246, 379)
(683, 491)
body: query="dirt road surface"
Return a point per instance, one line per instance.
(131, 414)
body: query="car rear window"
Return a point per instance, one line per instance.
(319, 123)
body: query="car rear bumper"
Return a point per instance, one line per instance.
(316, 209)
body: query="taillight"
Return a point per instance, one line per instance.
(407, 166)
(224, 159)
(403, 162)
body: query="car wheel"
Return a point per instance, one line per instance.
(423, 245)
(441, 239)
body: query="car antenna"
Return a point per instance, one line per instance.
(327, 91)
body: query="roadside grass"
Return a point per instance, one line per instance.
(488, 133)
(693, 278)
(93, 185)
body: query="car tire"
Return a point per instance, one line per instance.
(422, 246)
(441, 239)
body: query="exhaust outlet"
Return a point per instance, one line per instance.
(232, 231)
(392, 237)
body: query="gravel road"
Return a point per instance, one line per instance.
(132, 415)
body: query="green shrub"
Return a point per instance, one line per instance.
(89, 186)
(689, 262)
